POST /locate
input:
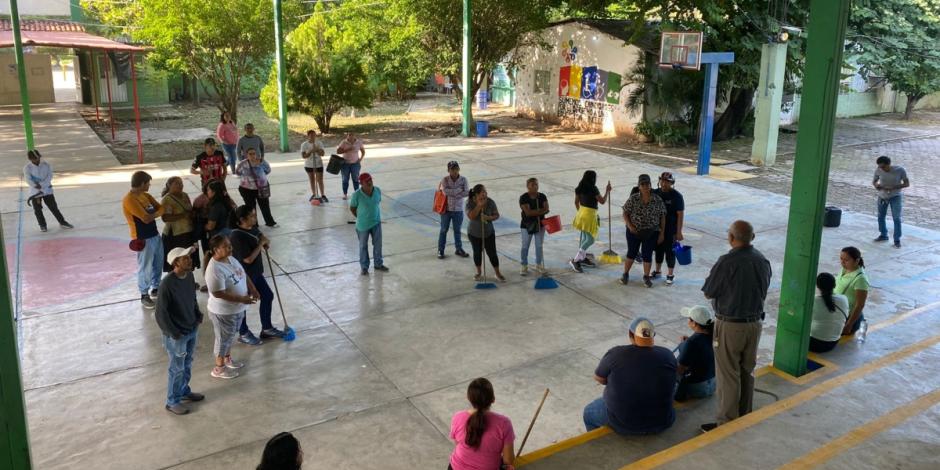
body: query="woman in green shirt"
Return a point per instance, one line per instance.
(852, 282)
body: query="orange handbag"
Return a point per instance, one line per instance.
(440, 202)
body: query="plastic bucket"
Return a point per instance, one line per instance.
(832, 217)
(482, 97)
(483, 128)
(683, 253)
(552, 224)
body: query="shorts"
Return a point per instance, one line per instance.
(318, 169)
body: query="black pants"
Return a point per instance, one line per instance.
(664, 250)
(639, 248)
(253, 201)
(818, 346)
(53, 207)
(478, 244)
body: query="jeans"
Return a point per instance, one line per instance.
(896, 205)
(267, 301)
(595, 415)
(376, 233)
(527, 240)
(180, 369)
(449, 218)
(250, 196)
(49, 199)
(703, 389)
(150, 264)
(350, 169)
(232, 159)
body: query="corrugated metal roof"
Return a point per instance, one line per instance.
(71, 39)
(44, 25)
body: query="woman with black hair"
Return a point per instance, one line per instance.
(178, 230)
(484, 439)
(282, 452)
(586, 199)
(247, 245)
(482, 211)
(853, 283)
(830, 313)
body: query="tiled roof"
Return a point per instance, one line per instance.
(44, 25)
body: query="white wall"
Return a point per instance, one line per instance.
(594, 48)
(37, 7)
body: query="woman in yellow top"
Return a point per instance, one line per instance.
(586, 199)
(178, 227)
(853, 283)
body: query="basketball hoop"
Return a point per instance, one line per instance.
(681, 50)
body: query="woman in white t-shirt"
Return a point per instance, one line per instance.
(312, 152)
(230, 293)
(830, 312)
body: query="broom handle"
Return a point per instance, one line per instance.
(276, 291)
(532, 423)
(610, 237)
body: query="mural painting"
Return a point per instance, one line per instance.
(585, 93)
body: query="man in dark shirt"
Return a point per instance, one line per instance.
(640, 381)
(737, 286)
(210, 164)
(177, 313)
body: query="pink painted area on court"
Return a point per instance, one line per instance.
(62, 270)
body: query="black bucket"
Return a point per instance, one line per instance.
(833, 217)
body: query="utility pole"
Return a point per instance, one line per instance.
(467, 70)
(21, 74)
(281, 79)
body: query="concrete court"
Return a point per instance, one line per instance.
(380, 359)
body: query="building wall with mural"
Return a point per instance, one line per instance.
(579, 81)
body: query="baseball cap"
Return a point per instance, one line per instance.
(667, 176)
(365, 177)
(176, 253)
(699, 314)
(209, 141)
(453, 164)
(644, 178)
(642, 329)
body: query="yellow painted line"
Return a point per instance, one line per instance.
(864, 432)
(562, 446)
(893, 320)
(687, 447)
(827, 368)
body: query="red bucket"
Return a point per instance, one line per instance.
(552, 224)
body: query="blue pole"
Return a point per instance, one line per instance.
(707, 120)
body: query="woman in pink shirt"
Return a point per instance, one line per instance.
(484, 439)
(227, 132)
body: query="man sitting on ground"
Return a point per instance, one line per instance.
(640, 380)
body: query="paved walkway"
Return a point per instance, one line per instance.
(380, 362)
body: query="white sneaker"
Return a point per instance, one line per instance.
(235, 365)
(223, 373)
(541, 269)
(524, 271)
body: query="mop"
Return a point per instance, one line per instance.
(544, 281)
(610, 256)
(289, 334)
(483, 284)
(532, 423)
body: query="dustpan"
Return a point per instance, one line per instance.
(610, 256)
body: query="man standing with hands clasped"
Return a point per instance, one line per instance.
(737, 286)
(889, 181)
(179, 317)
(364, 205)
(38, 175)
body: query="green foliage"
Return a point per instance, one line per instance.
(220, 41)
(325, 73)
(897, 40)
(668, 98)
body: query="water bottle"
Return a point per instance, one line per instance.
(862, 332)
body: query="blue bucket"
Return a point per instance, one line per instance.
(683, 253)
(483, 128)
(482, 98)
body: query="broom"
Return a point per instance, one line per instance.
(537, 410)
(289, 334)
(610, 256)
(544, 281)
(483, 284)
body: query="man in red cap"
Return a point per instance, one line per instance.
(365, 206)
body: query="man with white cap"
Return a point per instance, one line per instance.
(177, 313)
(640, 380)
(696, 355)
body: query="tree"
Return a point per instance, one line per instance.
(323, 74)
(219, 41)
(896, 40)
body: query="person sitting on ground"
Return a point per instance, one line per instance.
(484, 439)
(830, 314)
(696, 367)
(282, 452)
(482, 211)
(640, 380)
(853, 283)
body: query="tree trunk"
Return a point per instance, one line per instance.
(731, 122)
(195, 94)
(909, 108)
(323, 122)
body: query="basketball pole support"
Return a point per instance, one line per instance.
(711, 61)
(824, 47)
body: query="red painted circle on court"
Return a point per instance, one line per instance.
(62, 270)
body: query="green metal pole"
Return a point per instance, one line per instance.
(14, 433)
(281, 77)
(21, 73)
(825, 40)
(467, 70)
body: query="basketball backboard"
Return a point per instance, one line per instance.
(681, 50)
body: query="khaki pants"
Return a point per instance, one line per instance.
(735, 359)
